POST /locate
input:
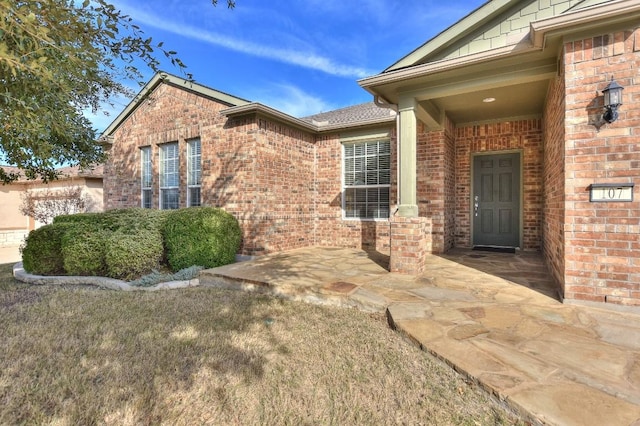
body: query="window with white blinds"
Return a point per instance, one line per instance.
(194, 172)
(366, 180)
(169, 176)
(146, 176)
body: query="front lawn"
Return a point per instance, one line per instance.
(80, 355)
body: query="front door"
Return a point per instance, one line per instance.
(496, 200)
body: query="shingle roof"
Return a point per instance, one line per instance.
(73, 171)
(351, 115)
(65, 172)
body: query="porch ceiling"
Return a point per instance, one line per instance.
(524, 99)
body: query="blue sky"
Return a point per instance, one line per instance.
(301, 57)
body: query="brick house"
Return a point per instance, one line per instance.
(490, 134)
(182, 144)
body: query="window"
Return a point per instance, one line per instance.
(194, 172)
(367, 177)
(169, 176)
(145, 167)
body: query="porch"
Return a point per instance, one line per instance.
(494, 317)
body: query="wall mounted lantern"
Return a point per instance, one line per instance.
(612, 100)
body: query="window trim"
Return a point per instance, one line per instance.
(163, 178)
(190, 185)
(344, 187)
(146, 170)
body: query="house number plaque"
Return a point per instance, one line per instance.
(612, 192)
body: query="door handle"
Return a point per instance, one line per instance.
(476, 203)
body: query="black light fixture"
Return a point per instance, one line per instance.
(612, 100)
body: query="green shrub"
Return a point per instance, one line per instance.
(202, 236)
(42, 250)
(118, 219)
(78, 218)
(129, 243)
(83, 250)
(134, 253)
(133, 219)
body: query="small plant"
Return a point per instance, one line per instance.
(156, 277)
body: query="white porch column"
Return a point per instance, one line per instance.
(407, 163)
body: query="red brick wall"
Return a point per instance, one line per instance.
(554, 186)
(330, 228)
(279, 193)
(602, 239)
(450, 185)
(524, 135)
(410, 244)
(259, 171)
(168, 115)
(436, 184)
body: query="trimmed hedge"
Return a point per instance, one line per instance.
(84, 250)
(200, 236)
(119, 219)
(129, 243)
(42, 250)
(133, 254)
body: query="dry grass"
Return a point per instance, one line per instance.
(71, 355)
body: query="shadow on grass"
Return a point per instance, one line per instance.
(84, 355)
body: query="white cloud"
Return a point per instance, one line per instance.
(291, 100)
(290, 56)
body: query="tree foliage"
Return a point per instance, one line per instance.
(58, 58)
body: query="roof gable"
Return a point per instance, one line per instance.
(496, 24)
(175, 81)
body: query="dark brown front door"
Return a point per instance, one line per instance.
(496, 200)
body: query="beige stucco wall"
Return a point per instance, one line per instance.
(14, 226)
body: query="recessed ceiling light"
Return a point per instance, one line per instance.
(488, 100)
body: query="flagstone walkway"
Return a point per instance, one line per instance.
(494, 317)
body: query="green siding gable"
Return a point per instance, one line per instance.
(496, 24)
(508, 28)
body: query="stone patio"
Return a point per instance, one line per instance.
(494, 317)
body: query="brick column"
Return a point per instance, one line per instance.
(410, 244)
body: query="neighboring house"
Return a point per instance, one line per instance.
(14, 226)
(502, 143)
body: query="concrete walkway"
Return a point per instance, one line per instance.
(494, 317)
